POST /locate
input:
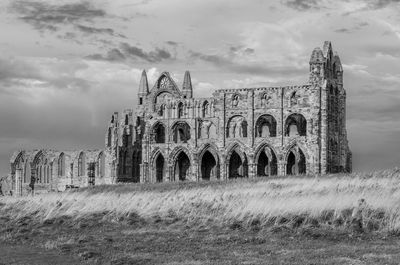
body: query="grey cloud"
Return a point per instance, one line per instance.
(241, 49)
(378, 4)
(302, 5)
(127, 51)
(93, 30)
(50, 17)
(15, 72)
(343, 30)
(46, 16)
(113, 55)
(153, 56)
(229, 64)
(172, 43)
(356, 27)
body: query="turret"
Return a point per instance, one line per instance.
(187, 89)
(316, 66)
(337, 69)
(143, 88)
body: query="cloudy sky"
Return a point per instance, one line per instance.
(66, 65)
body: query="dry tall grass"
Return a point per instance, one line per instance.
(328, 200)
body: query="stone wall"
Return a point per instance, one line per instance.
(171, 136)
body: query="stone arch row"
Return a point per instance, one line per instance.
(266, 126)
(180, 108)
(178, 166)
(42, 166)
(237, 127)
(179, 132)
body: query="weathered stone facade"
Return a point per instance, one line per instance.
(247, 132)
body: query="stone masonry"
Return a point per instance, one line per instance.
(248, 132)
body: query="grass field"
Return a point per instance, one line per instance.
(334, 219)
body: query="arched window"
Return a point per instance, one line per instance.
(237, 127)
(181, 132)
(295, 162)
(295, 125)
(81, 164)
(159, 133)
(161, 111)
(61, 165)
(101, 165)
(235, 100)
(293, 99)
(266, 126)
(180, 110)
(205, 109)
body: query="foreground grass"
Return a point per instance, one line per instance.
(279, 220)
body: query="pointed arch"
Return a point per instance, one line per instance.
(61, 165)
(101, 164)
(266, 161)
(180, 132)
(81, 164)
(237, 162)
(212, 131)
(209, 166)
(181, 162)
(205, 109)
(180, 110)
(296, 163)
(158, 166)
(293, 99)
(158, 132)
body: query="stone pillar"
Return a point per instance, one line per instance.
(252, 170)
(281, 168)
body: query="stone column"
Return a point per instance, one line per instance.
(281, 168)
(252, 170)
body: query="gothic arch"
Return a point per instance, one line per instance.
(235, 99)
(81, 164)
(159, 132)
(295, 161)
(295, 125)
(180, 110)
(237, 162)
(61, 164)
(158, 166)
(180, 132)
(101, 164)
(181, 162)
(205, 109)
(14, 158)
(266, 160)
(265, 126)
(236, 127)
(209, 162)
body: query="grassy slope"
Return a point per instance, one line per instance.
(280, 219)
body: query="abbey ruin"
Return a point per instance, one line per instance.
(236, 133)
